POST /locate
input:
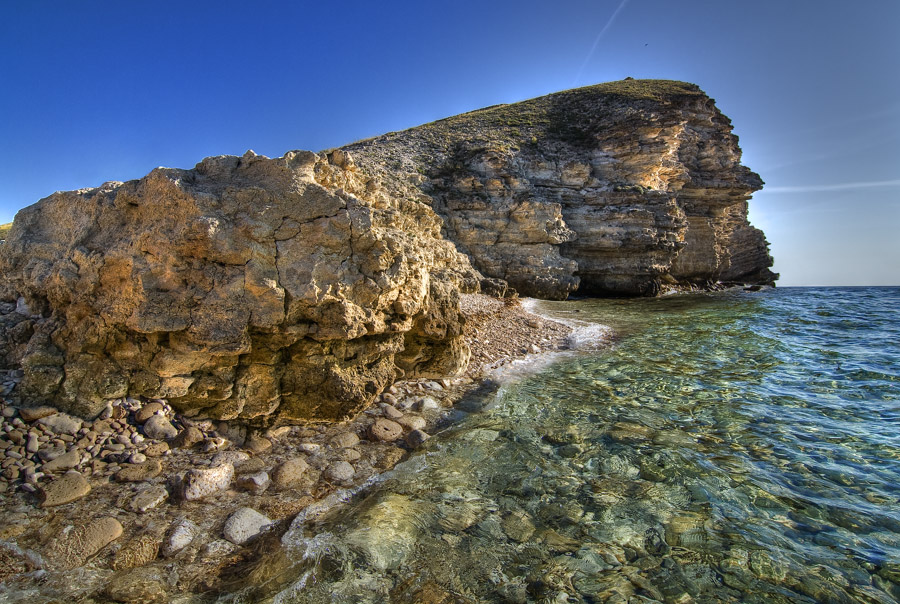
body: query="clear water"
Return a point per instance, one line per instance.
(732, 447)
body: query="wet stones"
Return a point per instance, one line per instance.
(202, 482)
(340, 471)
(74, 548)
(345, 439)
(149, 498)
(416, 438)
(137, 552)
(385, 430)
(412, 422)
(518, 526)
(243, 525)
(65, 489)
(289, 473)
(180, 534)
(144, 585)
(139, 472)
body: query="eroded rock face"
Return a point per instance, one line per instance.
(245, 288)
(619, 188)
(299, 288)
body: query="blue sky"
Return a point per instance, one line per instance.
(95, 91)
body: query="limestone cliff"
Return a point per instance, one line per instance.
(619, 188)
(300, 287)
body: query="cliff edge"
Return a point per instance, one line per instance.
(300, 288)
(621, 188)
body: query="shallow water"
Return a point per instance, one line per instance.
(731, 447)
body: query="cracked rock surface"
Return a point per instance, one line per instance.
(291, 288)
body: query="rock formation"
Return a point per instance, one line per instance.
(300, 287)
(619, 188)
(246, 287)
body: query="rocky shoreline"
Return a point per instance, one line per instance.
(144, 504)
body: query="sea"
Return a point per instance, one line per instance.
(733, 446)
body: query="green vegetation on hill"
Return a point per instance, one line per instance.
(4, 230)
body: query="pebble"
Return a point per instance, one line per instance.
(385, 430)
(289, 472)
(345, 439)
(65, 489)
(390, 412)
(349, 454)
(217, 549)
(30, 414)
(232, 457)
(427, 403)
(33, 444)
(309, 447)
(216, 443)
(66, 461)
(199, 483)
(277, 433)
(258, 444)
(340, 471)
(243, 525)
(180, 534)
(254, 464)
(188, 437)
(389, 457)
(73, 549)
(148, 411)
(137, 458)
(159, 428)
(149, 498)
(412, 422)
(61, 423)
(255, 483)
(416, 438)
(156, 449)
(139, 472)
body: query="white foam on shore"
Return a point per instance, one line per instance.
(585, 335)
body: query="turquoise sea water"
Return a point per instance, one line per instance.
(728, 447)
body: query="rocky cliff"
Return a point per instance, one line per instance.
(300, 287)
(620, 188)
(245, 287)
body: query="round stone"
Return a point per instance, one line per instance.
(289, 472)
(243, 525)
(385, 430)
(339, 471)
(159, 428)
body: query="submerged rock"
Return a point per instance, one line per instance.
(243, 525)
(73, 549)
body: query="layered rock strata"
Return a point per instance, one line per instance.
(620, 188)
(244, 288)
(299, 288)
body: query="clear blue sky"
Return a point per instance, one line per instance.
(93, 91)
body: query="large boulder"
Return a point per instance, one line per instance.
(247, 287)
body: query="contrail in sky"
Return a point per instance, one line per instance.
(597, 41)
(847, 186)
